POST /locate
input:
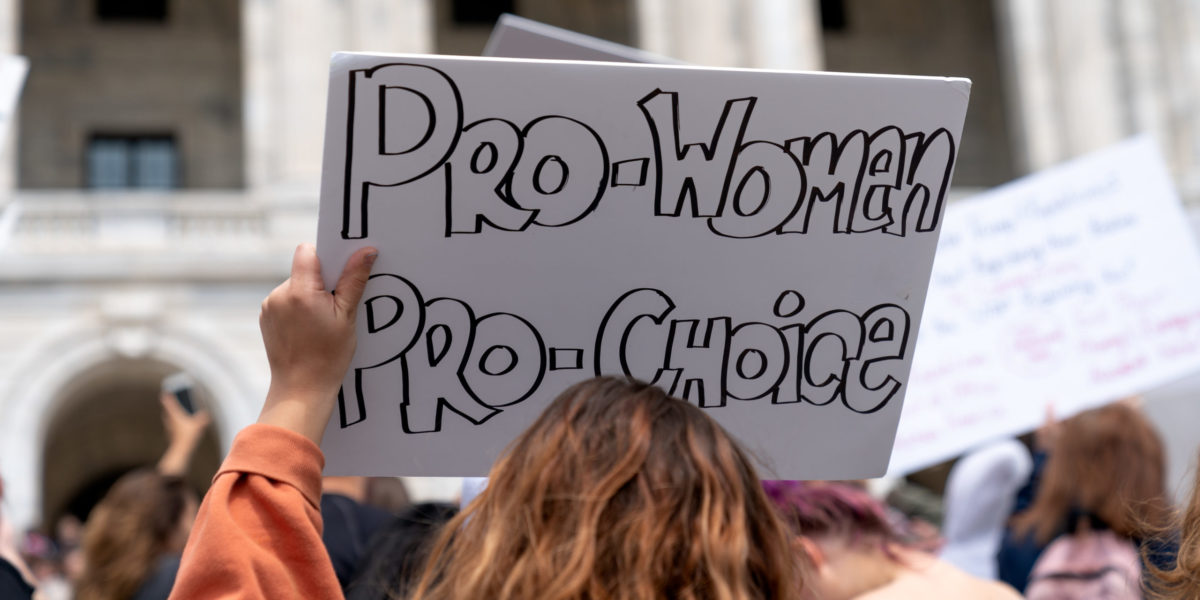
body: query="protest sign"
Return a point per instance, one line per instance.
(518, 37)
(1072, 287)
(758, 243)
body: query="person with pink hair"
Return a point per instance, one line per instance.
(853, 553)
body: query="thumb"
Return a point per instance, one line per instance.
(353, 281)
(306, 268)
(169, 403)
(202, 418)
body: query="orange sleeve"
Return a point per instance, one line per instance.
(258, 532)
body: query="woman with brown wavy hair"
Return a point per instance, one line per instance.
(616, 491)
(143, 519)
(1106, 469)
(134, 535)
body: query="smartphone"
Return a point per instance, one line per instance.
(181, 385)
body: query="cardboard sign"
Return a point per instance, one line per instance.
(518, 37)
(758, 243)
(1072, 287)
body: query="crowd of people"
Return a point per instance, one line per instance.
(617, 490)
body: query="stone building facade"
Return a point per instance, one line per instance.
(165, 166)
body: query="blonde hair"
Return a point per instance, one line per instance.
(616, 491)
(1182, 580)
(127, 532)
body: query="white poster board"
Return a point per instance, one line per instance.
(1072, 287)
(518, 37)
(758, 243)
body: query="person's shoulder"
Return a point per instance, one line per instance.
(997, 590)
(930, 578)
(984, 589)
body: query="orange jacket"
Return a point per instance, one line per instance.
(258, 532)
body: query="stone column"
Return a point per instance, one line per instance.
(402, 26)
(785, 34)
(776, 34)
(286, 48)
(1165, 49)
(10, 33)
(1083, 74)
(1062, 74)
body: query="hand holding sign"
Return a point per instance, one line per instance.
(309, 337)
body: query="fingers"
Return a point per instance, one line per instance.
(353, 281)
(171, 407)
(1134, 402)
(306, 268)
(202, 419)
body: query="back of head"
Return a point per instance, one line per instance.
(1109, 466)
(616, 491)
(831, 510)
(128, 531)
(854, 552)
(394, 560)
(388, 493)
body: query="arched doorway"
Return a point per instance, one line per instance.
(108, 421)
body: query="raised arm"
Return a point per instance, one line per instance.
(258, 532)
(184, 432)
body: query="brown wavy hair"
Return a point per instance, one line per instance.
(128, 531)
(617, 491)
(1108, 464)
(1182, 580)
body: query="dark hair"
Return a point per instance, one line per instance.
(831, 510)
(397, 553)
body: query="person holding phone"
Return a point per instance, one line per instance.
(136, 533)
(185, 427)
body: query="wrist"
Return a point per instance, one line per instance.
(303, 410)
(186, 440)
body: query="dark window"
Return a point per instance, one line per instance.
(132, 10)
(132, 161)
(833, 15)
(480, 12)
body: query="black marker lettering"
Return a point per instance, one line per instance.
(474, 367)
(409, 143)
(694, 175)
(478, 176)
(562, 171)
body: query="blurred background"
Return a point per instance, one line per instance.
(165, 159)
